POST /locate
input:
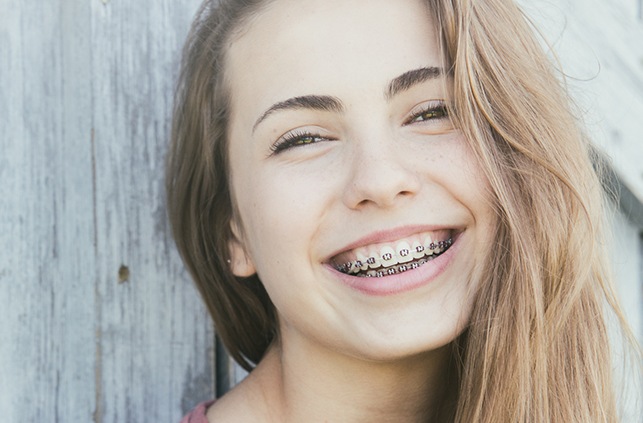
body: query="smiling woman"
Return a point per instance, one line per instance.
(391, 212)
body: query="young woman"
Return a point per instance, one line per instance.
(391, 212)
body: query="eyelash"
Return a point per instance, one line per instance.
(296, 139)
(434, 110)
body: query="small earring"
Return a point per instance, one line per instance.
(229, 261)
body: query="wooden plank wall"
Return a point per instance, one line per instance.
(99, 320)
(599, 45)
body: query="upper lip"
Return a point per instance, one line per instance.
(390, 235)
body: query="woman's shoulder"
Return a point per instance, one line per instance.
(198, 415)
(250, 401)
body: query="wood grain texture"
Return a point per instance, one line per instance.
(99, 320)
(600, 49)
(85, 101)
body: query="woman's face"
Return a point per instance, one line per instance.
(362, 209)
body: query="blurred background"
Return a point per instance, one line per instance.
(99, 321)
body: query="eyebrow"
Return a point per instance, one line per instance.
(313, 102)
(411, 78)
(332, 104)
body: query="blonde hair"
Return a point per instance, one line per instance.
(537, 345)
(536, 348)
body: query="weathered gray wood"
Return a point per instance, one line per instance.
(85, 98)
(600, 48)
(99, 321)
(135, 55)
(47, 276)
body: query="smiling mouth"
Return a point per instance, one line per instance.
(380, 260)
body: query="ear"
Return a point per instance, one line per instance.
(241, 264)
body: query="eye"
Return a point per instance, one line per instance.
(431, 111)
(297, 139)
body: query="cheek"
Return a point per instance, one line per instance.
(280, 212)
(452, 165)
(459, 173)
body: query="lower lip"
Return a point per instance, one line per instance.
(401, 282)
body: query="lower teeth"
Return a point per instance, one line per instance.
(394, 270)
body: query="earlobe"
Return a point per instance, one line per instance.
(240, 262)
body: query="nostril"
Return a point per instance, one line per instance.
(381, 199)
(406, 194)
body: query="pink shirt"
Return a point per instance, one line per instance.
(198, 414)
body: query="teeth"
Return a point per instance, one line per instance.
(429, 246)
(417, 250)
(390, 262)
(389, 257)
(404, 252)
(363, 259)
(373, 262)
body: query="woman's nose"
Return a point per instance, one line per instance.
(381, 176)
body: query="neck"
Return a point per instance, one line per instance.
(302, 383)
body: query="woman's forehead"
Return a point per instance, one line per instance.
(326, 29)
(303, 47)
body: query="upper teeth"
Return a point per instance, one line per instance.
(389, 257)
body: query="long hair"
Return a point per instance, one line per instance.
(536, 348)
(537, 345)
(198, 195)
